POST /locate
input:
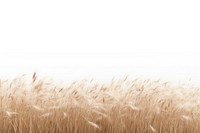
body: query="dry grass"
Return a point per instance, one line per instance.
(123, 106)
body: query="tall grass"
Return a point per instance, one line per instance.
(122, 106)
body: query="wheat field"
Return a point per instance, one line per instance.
(120, 106)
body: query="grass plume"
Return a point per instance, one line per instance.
(122, 106)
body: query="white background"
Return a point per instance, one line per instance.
(101, 39)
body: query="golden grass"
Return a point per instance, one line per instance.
(122, 106)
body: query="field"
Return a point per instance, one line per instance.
(121, 106)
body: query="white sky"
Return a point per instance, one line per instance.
(101, 39)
